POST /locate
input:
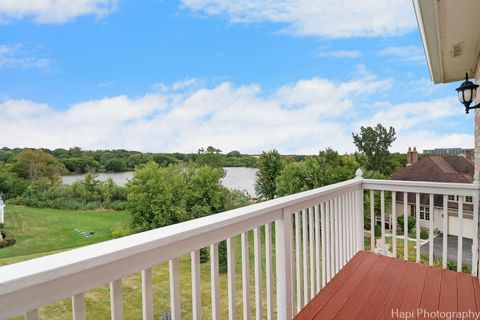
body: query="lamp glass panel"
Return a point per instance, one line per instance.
(467, 95)
(460, 96)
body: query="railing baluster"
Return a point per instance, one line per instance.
(445, 231)
(174, 271)
(417, 225)
(257, 244)
(283, 262)
(215, 282)
(341, 242)
(475, 233)
(351, 226)
(342, 231)
(372, 221)
(31, 315)
(337, 234)
(298, 267)
(430, 231)
(268, 267)
(382, 220)
(460, 235)
(196, 291)
(359, 214)
(245, 276)
(305, 256)
(232, 311)
(405, 226)
(324, 227)
(317, 248)
(394, 223)
(311, 230)
(147, 297)
(328, 242)
(78, 307)
(346, 234)
(116, 300)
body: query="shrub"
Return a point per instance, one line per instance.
(204, 255)
(451, 265)
(378, 231)
(411, 222)
(120, 231)
(8, 239)
(222, 257)
(423, 234)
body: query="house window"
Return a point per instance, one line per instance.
(466, 199)
(424, 213)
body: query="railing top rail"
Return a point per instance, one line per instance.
(33, 272)
(421, 186)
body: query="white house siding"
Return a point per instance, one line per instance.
(453, 225)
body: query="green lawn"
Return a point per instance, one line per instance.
(45, 230)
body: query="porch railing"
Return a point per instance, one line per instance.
(308, 238)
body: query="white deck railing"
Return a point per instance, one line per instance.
(315, 234)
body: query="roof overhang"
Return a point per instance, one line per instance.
(450, 31)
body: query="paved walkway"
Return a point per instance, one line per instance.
(452, 249)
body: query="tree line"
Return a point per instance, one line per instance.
(76, 160)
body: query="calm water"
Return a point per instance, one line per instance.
(236, 178)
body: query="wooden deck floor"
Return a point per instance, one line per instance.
(371, 286)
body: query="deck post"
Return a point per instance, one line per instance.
(359, 216)
(283, 261)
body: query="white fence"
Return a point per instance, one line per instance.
(309, 237)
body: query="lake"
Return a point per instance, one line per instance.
(236, 178)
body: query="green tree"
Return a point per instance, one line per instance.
(156, 197)
(326, 168)
(210, 157)
(270, 166)
(115, 165)
(374, 142)
(35, 165)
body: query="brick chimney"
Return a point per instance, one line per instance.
(412, 156)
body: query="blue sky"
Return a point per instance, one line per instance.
(296, 75)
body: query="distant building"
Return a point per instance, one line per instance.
(467, 153)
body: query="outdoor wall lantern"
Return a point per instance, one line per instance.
(467, 93)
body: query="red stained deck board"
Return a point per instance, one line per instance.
(431, 292)
(387, 281)
(343, 294)
(371, 286)
(411, 300)
(448, 291)
(394, 299)
(466, 295)
(363, 291)
(319, 301)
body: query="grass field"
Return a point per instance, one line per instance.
(41, 232)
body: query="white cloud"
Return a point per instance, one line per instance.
(295, 118)
(301, 117)
(406, 54)
(339, 54)
(15, 56)
(422, 124)
(326, 18)
(53, 11)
